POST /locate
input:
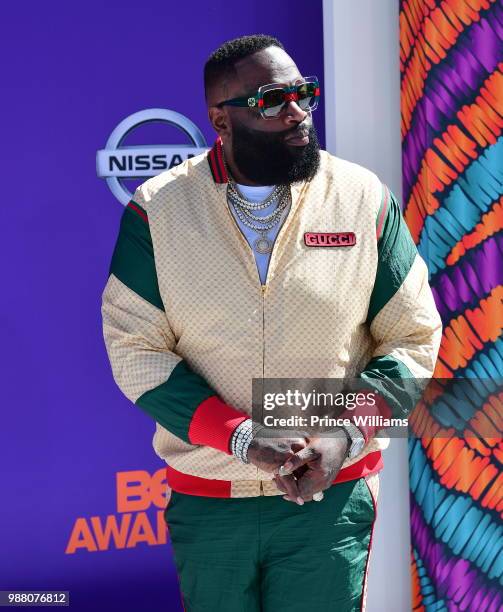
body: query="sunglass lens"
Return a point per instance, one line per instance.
(273, 102)
(306, 93)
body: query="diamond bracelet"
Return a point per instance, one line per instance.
(242, 437)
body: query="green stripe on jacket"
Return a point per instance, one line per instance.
(173, 403)
(393, 380)
(133, 257)
(396, 253)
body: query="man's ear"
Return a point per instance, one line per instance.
(219, 120)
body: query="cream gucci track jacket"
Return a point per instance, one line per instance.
(187, 323)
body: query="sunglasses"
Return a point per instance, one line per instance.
(271, 99)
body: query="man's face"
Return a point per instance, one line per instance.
(269, 151)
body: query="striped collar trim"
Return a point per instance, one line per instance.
(216, 162)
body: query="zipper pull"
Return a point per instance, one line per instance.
(263, 288)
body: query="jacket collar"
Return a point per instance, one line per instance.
(216, 162)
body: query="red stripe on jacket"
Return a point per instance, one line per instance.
(209, 487)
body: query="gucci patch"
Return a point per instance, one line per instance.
(329, 239)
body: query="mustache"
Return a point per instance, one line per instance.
(298, 131)
(276, 138)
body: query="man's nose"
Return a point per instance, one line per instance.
(293, 113)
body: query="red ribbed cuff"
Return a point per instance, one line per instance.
(213, 424)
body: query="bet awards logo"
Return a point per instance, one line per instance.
(137, 494)
(115, 163)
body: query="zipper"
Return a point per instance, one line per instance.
(264, 289)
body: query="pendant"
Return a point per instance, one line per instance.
(262, 245)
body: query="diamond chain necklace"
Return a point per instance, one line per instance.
(277, 191)
(260, 223)
(263, 244)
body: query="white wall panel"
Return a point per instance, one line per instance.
(362, 113)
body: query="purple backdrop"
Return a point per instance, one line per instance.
(71, 74)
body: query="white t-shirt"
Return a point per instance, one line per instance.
(258, 194)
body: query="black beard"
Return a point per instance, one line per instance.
(266, 159)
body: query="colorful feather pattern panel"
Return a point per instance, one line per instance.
(451, 64)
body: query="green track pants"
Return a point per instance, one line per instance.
(269, 555)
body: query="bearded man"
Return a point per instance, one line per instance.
(264, 258)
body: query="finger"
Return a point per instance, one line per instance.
(298, 473)
(300, 458)
(314, 492)
(309, 485)
(287, 498)
(279, 483)
(299, 501)
(289, 486)
(297, 446)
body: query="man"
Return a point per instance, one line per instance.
(264, 258)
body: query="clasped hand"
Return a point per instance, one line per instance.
(309, 464)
